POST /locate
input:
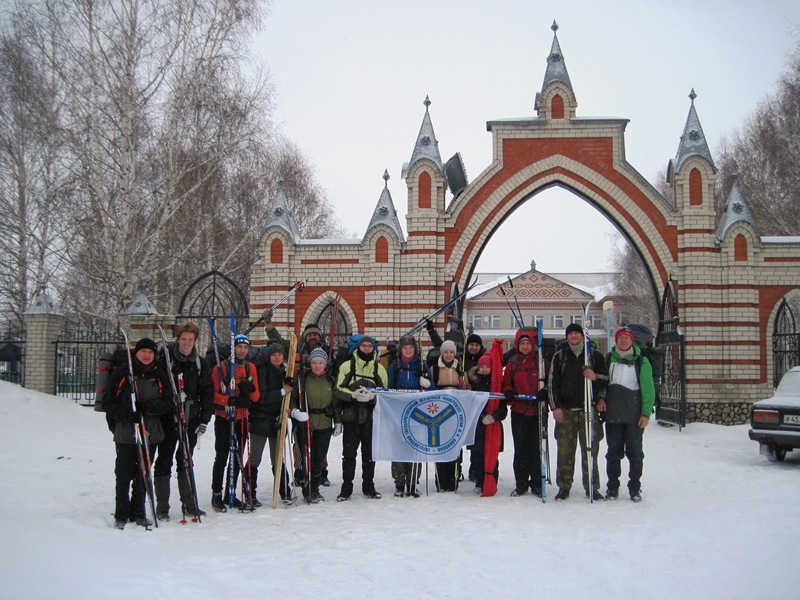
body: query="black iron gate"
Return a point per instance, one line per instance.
(12, 354)
(785, 343)
(77, 352)
(213, 295)
(671, 399)
(341, 330)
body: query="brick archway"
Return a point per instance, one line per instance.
(727, 278)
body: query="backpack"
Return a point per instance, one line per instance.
(107, 363)
(351, 348)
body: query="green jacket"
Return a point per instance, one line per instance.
(318, 399)
(631, 392)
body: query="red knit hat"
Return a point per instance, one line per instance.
(485, 360)
(624, 331)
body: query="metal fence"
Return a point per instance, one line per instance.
(12, 354)
(77, 353)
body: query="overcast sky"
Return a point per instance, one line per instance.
(351, 77)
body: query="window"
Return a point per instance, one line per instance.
(557, 321)
(476, 321)
(597, 321)
(493, 321)
(576, 319)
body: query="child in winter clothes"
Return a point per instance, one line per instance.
(480, 379)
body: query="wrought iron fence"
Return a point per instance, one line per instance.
(77, 353)
(12, 354)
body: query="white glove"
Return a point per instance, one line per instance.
(487, 419)
(424, 382)
(299, 415)
(201, 429)
(337, 429)
(362, 394)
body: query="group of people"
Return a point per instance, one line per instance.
(336, 397)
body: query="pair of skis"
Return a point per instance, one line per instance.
(235, 443)
(140, 437)
(588, 402)
(187, 461)
(544, 437)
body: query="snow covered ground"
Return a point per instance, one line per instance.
(717, 521)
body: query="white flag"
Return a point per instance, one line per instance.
(425, 426)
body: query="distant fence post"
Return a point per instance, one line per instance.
(42, 324)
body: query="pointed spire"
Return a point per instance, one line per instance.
(426, 146)
(385, 213)
(279, 215)
(693, 141)
(42, 304)
(735, 210)
(141, 305)
(556, 67)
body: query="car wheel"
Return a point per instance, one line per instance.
(780, 453)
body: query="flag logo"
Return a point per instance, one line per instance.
(434, 424)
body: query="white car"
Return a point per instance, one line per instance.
(775, 421)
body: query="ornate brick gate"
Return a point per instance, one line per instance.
(728, 280)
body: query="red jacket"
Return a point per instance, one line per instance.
(522, 377)
(240, 374)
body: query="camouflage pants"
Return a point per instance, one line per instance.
(567, 433)
(404, 475)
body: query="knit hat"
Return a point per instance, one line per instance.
(624, 331)
(145, 344)
(474, 338)
(366, 338)
(311, 328)
(448, 345)
(241, 338)
(273, 348)
(406, 340)
(574, 327)
(485, 360)
(318, 354)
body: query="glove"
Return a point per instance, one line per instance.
(487, 419)
(424, 382)
(231, 401)
(509, 394)
(363, 395)
(243, 401)
(267, 317)
(337, 429)
(299, 415)
(246, 385)
(201, 429)
(429, 325)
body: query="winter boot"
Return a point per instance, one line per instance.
(563, 494)
(217, 503)
(161, 485)
(120, 523)
(596, 495)
(399, 491)
(188, 505)
(635, 478)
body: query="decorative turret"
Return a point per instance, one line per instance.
(385, 213)
(557, 98)
(693, 143)
(735, 210)
(141, 305)
(426, 146)
(280, 216)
